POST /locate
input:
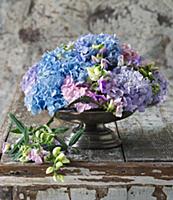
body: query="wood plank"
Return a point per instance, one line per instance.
(92, 181)
(119, 193)
(5, 124)
(149, 136)
(5, 193)
(142, 193)
(21, 112)
(150, 193)
(146, 137)
(161, 171)
(102, 193)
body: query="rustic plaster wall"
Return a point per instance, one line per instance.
(29, 27)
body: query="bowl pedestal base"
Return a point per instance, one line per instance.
(98, 136)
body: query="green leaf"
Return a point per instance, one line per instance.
(16, 146)
(17, 155)
(76, 137)
(16, 130)
(62, 142)
(75, 150)
(60, 130)
(48, 147)
(58, 165)
(18, 123)
(50, 121)
(26, 136)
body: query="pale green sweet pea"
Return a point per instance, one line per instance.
(56, 151)
(97, 46)
(94, 72)
(111, 106)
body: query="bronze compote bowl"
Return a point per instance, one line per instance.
(96, 134)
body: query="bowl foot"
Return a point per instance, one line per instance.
(98, 137)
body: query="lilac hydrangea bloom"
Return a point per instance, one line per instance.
(129, 85)
(163, 85)
(29, 79)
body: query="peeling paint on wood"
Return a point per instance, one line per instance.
(5, 193)
(82, 193)
(141, 193)
(117, 193)
(51, 194)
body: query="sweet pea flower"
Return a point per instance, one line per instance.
(35, 156)
(94, 72)
(130, 55)
(5, 147)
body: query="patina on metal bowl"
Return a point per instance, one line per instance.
(96, 135)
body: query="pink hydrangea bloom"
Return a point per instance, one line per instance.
(72, 91)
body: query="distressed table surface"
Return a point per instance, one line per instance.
(142, 168)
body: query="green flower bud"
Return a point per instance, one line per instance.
(94, 73)
(56, 151)
(58, 177)
(111, 106)
(43, 136)
(49, 170)
(65, 161)
(58, 165)
(98, 46)
(37, 134)
(61, 156)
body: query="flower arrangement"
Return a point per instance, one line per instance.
(96, 71)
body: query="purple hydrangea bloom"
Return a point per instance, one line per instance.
(29, 79)
(134, 90)
(163, 87)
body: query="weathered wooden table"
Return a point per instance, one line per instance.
(140, 169)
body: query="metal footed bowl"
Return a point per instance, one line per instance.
(96, 135)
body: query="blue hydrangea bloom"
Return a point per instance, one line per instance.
(88, 45)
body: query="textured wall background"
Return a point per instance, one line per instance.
(29, 27)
